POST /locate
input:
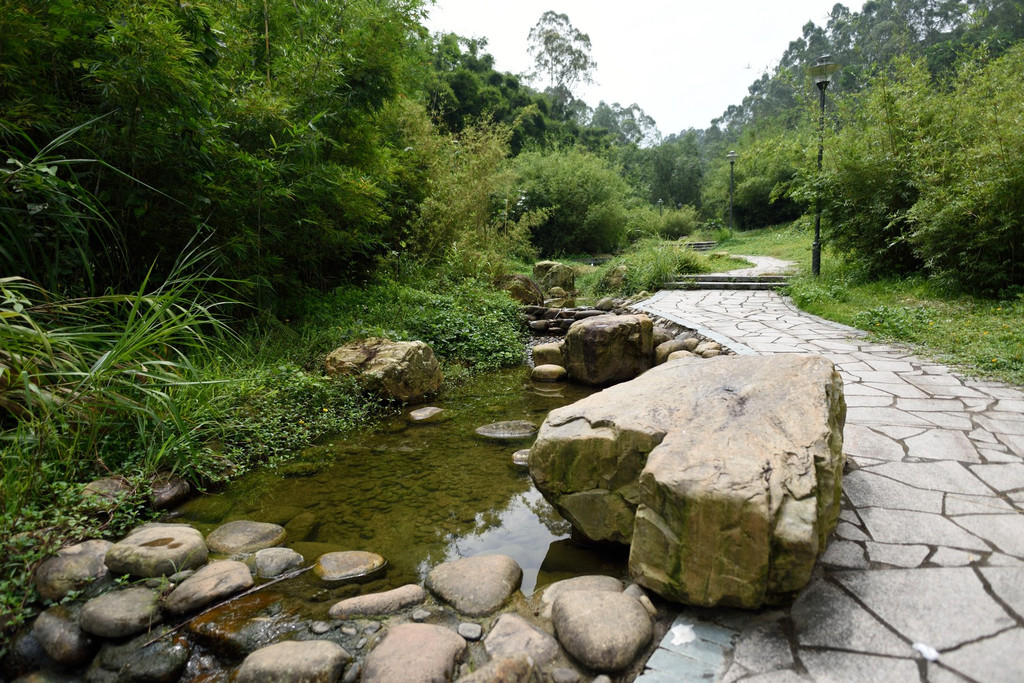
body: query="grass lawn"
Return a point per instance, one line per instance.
(981, 337)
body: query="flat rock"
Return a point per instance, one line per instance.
(604, 630)
(476, 586)
(426, 414)
(209, 584)
(374, 604)
(121, 613)
(58, 631)
(510, 430)
(348, 565)
(72, 569)
(272, 562)
(521, 458)
(312, 661)
(513, 636)
(157, 550)
(244, 536)
(414, 652)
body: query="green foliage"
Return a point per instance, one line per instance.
(583, 198)
(562, 53)
(648, 263)
(969, 218)
(763, 179)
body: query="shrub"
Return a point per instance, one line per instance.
(583, 197)
(649, 263)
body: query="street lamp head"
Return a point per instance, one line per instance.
(822, 69)
(732, 156)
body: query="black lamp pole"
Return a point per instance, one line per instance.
(731, 156)
(822, 71)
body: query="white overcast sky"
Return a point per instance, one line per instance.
(683, 61)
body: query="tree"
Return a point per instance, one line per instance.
(562, 53)
(631, 125)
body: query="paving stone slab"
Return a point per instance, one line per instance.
(943, 608)
(825, 616)
(1005, 532)
(994, 660)
(858, 668)
(905, 526)
(867, 489)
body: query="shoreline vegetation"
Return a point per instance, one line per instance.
(199, 200)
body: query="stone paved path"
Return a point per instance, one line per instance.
(928, 557)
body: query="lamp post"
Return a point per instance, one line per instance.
(821, 71)
(731, 156)
(661, 206)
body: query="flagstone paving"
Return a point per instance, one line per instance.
(923, 578)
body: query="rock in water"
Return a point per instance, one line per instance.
(244, 536)
(723, 475)
(476, 586)
(511, 430)
(608, 349)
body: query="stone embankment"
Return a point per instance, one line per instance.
(193, 607)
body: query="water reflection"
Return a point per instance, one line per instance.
(418, 493)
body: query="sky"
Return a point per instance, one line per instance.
(684, 62)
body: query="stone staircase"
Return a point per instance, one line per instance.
(726, 281)
(701, 246)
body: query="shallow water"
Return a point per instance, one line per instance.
(418, 494)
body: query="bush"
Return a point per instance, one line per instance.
(649, 263)
(678, 223)
(583, 197)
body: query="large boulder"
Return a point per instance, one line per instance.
(404, 371)
(607, 349)
(724, 475)
(549, 274)
(522, 289)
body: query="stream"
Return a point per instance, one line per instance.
(418, 494)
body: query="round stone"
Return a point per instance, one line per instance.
(72, 569)
(521, 458)
(291, 660)
(244, 536)
(471, 631)
(603, 630)
(211, 583)
(271, 562)
(58, 631)
(548, 373)
(121, 613)
(428, 650)
(348, 565)
(374, 604)
(476, 586)
(511, 430)
(157, 550)
(679, 354)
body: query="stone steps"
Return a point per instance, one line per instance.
(757, 282)
(701, 246)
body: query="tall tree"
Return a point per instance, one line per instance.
(562, 54)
